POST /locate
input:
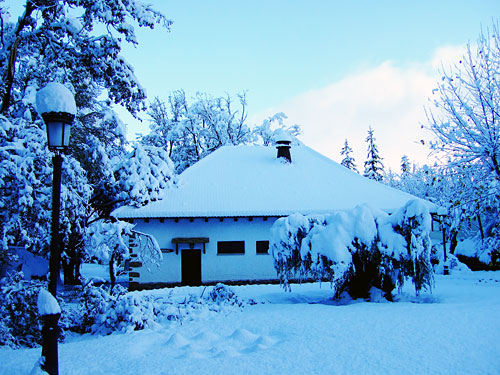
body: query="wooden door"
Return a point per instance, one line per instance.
(191, 267)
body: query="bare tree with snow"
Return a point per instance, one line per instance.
(189, 131)
(466, 121)
(466, 117)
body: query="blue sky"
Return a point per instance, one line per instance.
(280, 49)
(334, 67)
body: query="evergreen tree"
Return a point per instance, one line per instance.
(374, 168)
(405, 165)
(348, 161)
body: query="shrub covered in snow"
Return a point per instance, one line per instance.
(480, 254)
(104, 313)
(287, 235)
(101, 312)
(356, 249)
(222, 294)
(20, 324)
(369, 269)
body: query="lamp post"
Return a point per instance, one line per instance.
(445, 266)
(56, 105)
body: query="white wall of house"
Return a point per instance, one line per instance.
(214, 266)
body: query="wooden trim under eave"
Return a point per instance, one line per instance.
(191, 241)
(204, 218)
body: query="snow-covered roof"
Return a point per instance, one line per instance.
(251, 181)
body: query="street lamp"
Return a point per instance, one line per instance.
(56, 105)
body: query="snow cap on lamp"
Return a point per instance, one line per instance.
(56, 104)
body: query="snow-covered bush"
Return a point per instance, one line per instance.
(405, 237)
(369, 269)
(222, 294)
(101, 312)
(104, 313)
(356, 249)
(480, 254)
(20, 323)
(287, 234)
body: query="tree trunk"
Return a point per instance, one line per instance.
(112, 277)
(480, 226)
(453, 240)
(11, 67)
(71, 270)
(66, 267)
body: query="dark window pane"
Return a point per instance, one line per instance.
(231, 247)
(262, 247)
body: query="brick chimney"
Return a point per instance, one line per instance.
(283, 141)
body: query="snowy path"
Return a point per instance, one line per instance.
(302, 333)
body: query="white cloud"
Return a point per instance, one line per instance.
(448, 56)
(389, 98)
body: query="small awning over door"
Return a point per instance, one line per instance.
(191, 241)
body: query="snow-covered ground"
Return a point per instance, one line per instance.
(454, 330)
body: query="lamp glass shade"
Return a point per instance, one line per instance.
(58, 134)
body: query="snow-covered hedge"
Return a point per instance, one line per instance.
(104, 313)
(480, 254)
(356, 249)
(101, 312)
(20, 324)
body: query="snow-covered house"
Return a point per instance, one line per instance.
(215, 226)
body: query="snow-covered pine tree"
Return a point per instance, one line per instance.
(348, 160)
(374, 168)
(405, 165)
